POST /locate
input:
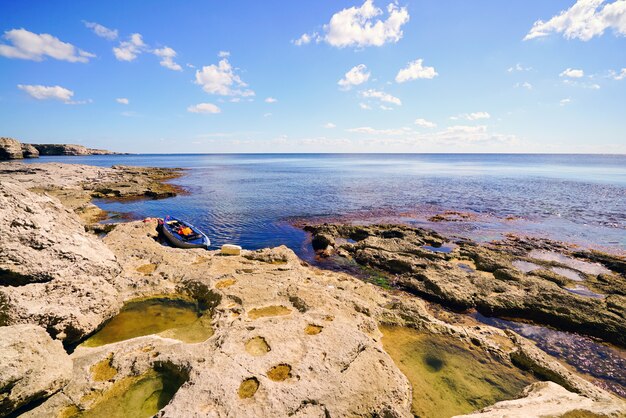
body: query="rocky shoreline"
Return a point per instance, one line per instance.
(287, 339)
(515, 278)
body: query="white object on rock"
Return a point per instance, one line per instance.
(230, 249)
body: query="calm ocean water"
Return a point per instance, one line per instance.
(249, 199)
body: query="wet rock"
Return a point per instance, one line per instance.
(322, 241)
(10, 149)
(32, 366)
(496, 287)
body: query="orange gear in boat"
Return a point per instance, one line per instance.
(185, 230)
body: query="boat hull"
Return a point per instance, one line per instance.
(173, 238)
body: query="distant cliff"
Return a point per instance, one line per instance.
(69, 149)
(12, 149)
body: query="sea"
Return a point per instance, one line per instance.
(259, 200)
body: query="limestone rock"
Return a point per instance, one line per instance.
(69, 149)
(10, 149)
(547, 399)
(52, 272)
(32, 366)
(489, 282)
(28, 151)
(42, 241)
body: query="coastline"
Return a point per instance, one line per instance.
(92, 278)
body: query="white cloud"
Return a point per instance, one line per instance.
(574, 82)
(223, 54)
(425, 123)
(415, 70)
(472, 116)
(303, 40)
(372, 131)
(359, 26)
(364, 106)
(526, 85)
(167, 54)
(357, 75)
(221, 79)
(382, 96)
(40, 92)
(584, 20)
(329, 125)
(128, 50)
(30, 46)
(618, 76)
(122, 100)
(458, 135)
(102, 31)
(204, 108)
(572, 73)
(270, 100)
(383, 107)
(564, 102)
(519, 67)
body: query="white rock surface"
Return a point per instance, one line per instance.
(32, 366)
(42, 240)
(547, 399)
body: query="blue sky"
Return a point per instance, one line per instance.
(316, 76)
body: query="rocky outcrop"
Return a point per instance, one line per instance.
(547, 399)
(40, 242)
(28, 151)
(32, 366)
(52, 272)
(69, 149)
(10, 149)
(467, 275)
(75, 185)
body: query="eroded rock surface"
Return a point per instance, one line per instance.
(32, 366)
(547, 399)
(467, 275)
(41, 241)
(341, 369)
(69, 149)
(10, 149)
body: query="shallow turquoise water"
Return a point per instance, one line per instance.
(250, 199)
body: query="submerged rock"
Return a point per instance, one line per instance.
(32, 366)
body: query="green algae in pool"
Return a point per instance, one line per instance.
(137, 396)
(177, 318)
(449, 377)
